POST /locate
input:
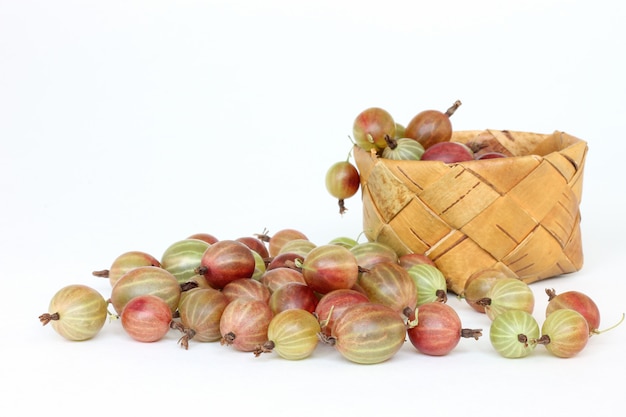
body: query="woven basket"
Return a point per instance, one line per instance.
(518, 214)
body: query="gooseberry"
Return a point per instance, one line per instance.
(438, 329)
(146, 280)
(403, 149)
(367, 333)
(513, 333)
(200, 312)
(146, 318)
(430, 283)
(430, 127)
(292, 334)
(244, 324)
(370, 128)
(342, 182)
(124, 263)
(332, 305)
(564, 333)
(389, 284)
(76, 312)
(330, 267)
(182, 258)
(508, 294)
(226, 261)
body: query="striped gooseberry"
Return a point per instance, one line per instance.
(292, 334)
(255, 244)
(342, 182)
(207, 237)
(200, 312)
(370, 128)
(390, 284)
(293, 295)
(247, 288)
(330, 267)
(513, 333)
(244, 324)
(146, 318)
(276, 241)
(407, 260)
(403, 149)
(124, 263)
(76, 312)
(300, 246)
(332, 305)
(371, 252)
(477, 287)
(564, 333)
(225, 261)
(279, 276)
(183, 257)
(367, 333)
(438, 329)
(430, 283)
(575, 300)
(508, 294)
(345, 241)
(146, 280)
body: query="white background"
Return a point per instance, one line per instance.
(128, 125)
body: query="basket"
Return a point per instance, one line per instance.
(518, 214)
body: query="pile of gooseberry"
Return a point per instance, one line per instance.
(284, 294)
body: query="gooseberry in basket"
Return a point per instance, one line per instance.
(490, 155)
(342, 182)
(448, 152)
(370, 128)
(429, 127)
(403, 149)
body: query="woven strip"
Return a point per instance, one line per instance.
(518, 214)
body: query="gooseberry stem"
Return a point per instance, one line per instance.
(47, 318)
(596, 331)
(474, 333)
(104, 273)
(391, 142)
(453, 108)
(483, 302)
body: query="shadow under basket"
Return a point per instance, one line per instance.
(518, 214)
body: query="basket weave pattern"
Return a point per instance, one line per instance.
(518, 214)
